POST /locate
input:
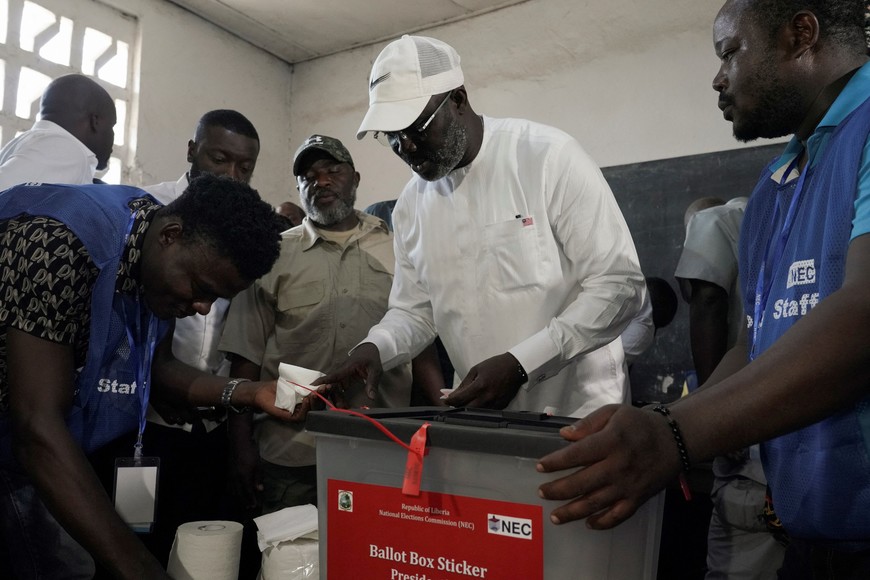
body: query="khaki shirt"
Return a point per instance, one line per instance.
(317, 303)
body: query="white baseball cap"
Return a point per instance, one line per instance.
(404, 77)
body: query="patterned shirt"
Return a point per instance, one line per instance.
(46, 279)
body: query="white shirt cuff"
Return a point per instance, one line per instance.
(534, 353)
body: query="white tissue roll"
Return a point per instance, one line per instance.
(206, 551)
(296, 560)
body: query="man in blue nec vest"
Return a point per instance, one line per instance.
(798, 379)
(91, 277)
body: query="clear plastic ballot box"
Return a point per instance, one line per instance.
(477, 513)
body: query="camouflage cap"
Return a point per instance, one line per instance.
(329, 145)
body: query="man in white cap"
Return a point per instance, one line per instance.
(509, 245)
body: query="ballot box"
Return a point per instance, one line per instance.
(477, 513)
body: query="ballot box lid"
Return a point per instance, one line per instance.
(516, 433)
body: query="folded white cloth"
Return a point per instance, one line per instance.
(286, 524)
(289, 395)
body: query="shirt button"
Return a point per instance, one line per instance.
(342, 325)
(344, 291)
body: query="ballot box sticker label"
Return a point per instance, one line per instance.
(433, 536)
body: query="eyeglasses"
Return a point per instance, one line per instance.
(392, 138)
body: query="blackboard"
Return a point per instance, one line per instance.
(653, 197)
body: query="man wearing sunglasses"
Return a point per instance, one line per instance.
(509, 245)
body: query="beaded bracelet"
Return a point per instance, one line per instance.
(681, 448)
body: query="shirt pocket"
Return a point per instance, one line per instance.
(301, 318)
(511, 254)
(375, 288)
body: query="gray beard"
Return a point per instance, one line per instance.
(445, 159)
(333, 215)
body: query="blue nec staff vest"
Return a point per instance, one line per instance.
(106, 402)
(820, 475)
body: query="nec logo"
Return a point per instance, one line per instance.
(802, 272)
(508, 526)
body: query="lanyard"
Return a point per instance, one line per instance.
(763, 285)
(142, 351)
(142, 341)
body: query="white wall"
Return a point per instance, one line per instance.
(188, 67)
(630, 79)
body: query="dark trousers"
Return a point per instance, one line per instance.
(805, 560)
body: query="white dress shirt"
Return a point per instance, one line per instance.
(640, 332)
(46, 153)
(168, 191)
(523, 251)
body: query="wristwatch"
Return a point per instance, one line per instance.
(227, 396)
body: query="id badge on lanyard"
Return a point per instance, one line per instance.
(136, 477)
(764, 282)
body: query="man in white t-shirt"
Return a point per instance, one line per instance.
(509, 246)
(72, 139)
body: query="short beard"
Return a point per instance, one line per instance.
(333, 215)
(447, 157)
(778, 112)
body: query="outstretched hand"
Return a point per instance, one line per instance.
(491, 384)
(264, 400)
(625, 456)
(363, 364)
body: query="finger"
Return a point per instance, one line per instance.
(465, 393)
(317, 403)
(592, 505)
(587, 442)
(278, 413)
(337, 394)
(585, 481)
(481, 400)
(469, 378)
(372, 379)
(618, 513)
(592, 423)
(299, 411)
(337, 376)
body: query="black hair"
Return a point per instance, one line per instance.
(228, 119)
(867, 25)
(841, 21)
(230, 217)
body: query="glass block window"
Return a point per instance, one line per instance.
(44, 39)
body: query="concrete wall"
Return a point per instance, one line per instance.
(630, 79)
(188, 67)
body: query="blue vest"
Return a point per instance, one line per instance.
(819, 475)
(107, 398)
